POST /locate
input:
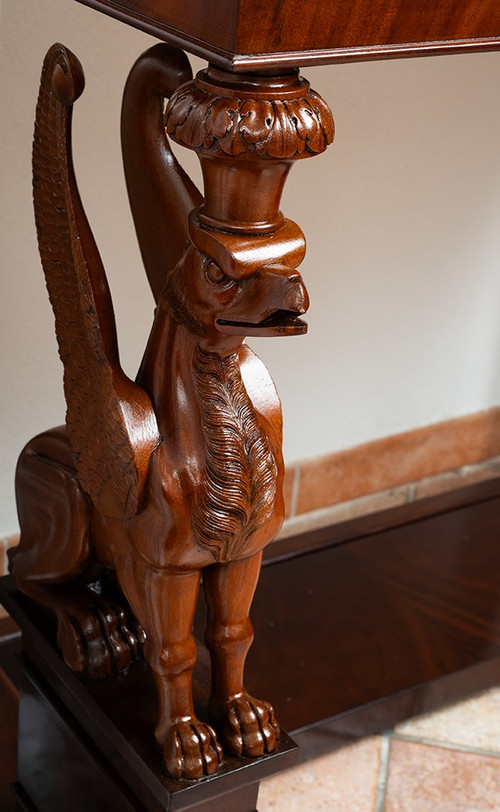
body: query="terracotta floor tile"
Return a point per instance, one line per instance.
(342, 781)
(423, 778)
(473, 723)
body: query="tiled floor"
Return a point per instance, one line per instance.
(448, 761)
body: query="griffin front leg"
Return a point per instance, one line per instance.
(165, 603)
(246, 726)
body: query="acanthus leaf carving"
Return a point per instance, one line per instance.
(226, 125)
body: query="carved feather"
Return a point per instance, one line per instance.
(238, 493)
(110, 420)
(161, 193)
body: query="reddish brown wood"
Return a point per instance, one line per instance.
(79, 735)
(257, 34)
(9, 700)
(10, 674)
(312, 540)
(8, 628)
(393, 612)
(412, 624)
(182, 470)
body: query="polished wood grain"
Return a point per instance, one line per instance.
(390, 610)
(412, 624)
(9, 701)
(349, 530)
(152, 482)
(363, 25)
(260, 34)
(99, 734)
(180, 471)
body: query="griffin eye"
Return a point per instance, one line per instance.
(215, 275)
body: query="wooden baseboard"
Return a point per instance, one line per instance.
(382, 617)
(390, 462)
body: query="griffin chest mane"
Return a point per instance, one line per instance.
(237, 493)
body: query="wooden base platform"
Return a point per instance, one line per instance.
(10, 678)
(88, 744)
(382, 618)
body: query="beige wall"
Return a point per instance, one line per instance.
(402, 219)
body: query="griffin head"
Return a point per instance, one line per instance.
(232, 285)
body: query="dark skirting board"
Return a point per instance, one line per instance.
(389, 615)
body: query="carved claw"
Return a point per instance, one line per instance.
(96, 639)
(191, 750)
(247, 726)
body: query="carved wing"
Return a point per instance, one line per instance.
(110, 420)
(161, 194)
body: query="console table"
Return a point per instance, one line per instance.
(258, 36)
(360, 624)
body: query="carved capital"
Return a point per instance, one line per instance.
(282, 118)
(247, 130)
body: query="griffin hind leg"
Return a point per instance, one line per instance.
(93, 632)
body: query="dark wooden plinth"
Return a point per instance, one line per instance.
(384, 617)
(87, 744)
(391, 615)
(10, 678)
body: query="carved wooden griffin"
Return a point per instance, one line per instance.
(180, 471)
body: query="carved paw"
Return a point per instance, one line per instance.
(191, 750)
(96, 638)
(247, 726)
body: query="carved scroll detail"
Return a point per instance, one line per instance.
(227, 125)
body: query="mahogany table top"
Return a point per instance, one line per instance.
(259, 34)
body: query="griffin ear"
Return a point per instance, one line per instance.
(161, 194)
